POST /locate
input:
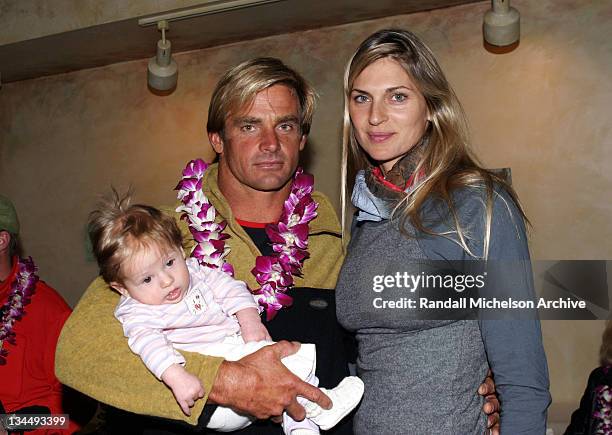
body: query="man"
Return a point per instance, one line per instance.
(35, 313)
(259, 118)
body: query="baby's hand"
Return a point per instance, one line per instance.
(251, 327)
(186, 387)
(254, 332)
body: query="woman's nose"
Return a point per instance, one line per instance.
(378, 113)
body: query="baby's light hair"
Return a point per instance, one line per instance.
(117, 229)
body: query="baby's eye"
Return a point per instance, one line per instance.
(169, 263)
(147, 280)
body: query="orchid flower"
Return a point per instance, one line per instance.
(289, 237)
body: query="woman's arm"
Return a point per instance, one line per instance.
(514, 347)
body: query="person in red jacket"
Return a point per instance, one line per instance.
(31, 317)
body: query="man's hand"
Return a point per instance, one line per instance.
(491, 405)
(260, 385)
(186, 387)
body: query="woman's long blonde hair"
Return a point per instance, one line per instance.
(447, 160)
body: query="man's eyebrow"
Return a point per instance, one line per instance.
(246, 120)
(288, 118)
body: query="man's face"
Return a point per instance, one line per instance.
(261, 144)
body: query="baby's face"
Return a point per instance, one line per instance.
(155, 276)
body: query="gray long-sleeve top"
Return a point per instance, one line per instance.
(513, 348)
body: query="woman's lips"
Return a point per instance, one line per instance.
(379, 137)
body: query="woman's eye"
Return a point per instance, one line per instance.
(147, 280)
(360, 98)
(399, 98)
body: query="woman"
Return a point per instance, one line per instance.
(422, 200)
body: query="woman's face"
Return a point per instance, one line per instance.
(388, 112)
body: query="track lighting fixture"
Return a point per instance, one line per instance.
(501, 24)
(162, 71)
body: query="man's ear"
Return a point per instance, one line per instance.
(303, 142)
(5, 240)
(216, 141)
(115, 285)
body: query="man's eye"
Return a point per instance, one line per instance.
(286, 127)
(248, 127)
(169, 263)
(399, 98)
(147, 280)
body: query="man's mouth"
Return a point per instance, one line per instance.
(269, 164)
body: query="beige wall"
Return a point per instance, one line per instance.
(542, 110)
(28, 19)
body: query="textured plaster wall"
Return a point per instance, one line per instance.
(542, 110)
(28, 19)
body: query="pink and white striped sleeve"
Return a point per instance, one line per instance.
(228, 292)
(144, 330)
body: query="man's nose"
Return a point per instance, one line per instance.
(269, 140)
(378, 113)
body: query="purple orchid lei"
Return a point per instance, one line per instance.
(603, 407)
(210, 249)
(274, 273)
(20, 295)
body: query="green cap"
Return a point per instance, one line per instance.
(8, 216)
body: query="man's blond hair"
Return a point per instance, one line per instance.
(238, 87)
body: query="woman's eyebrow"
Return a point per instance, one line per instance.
(396, 88)
(388, 90)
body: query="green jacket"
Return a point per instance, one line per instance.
(93, 356)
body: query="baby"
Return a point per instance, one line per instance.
(171, 303)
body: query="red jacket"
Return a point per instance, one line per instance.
(28, 377)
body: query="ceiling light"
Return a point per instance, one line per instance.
(209, 7)
(502, 24)
(162, 72)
